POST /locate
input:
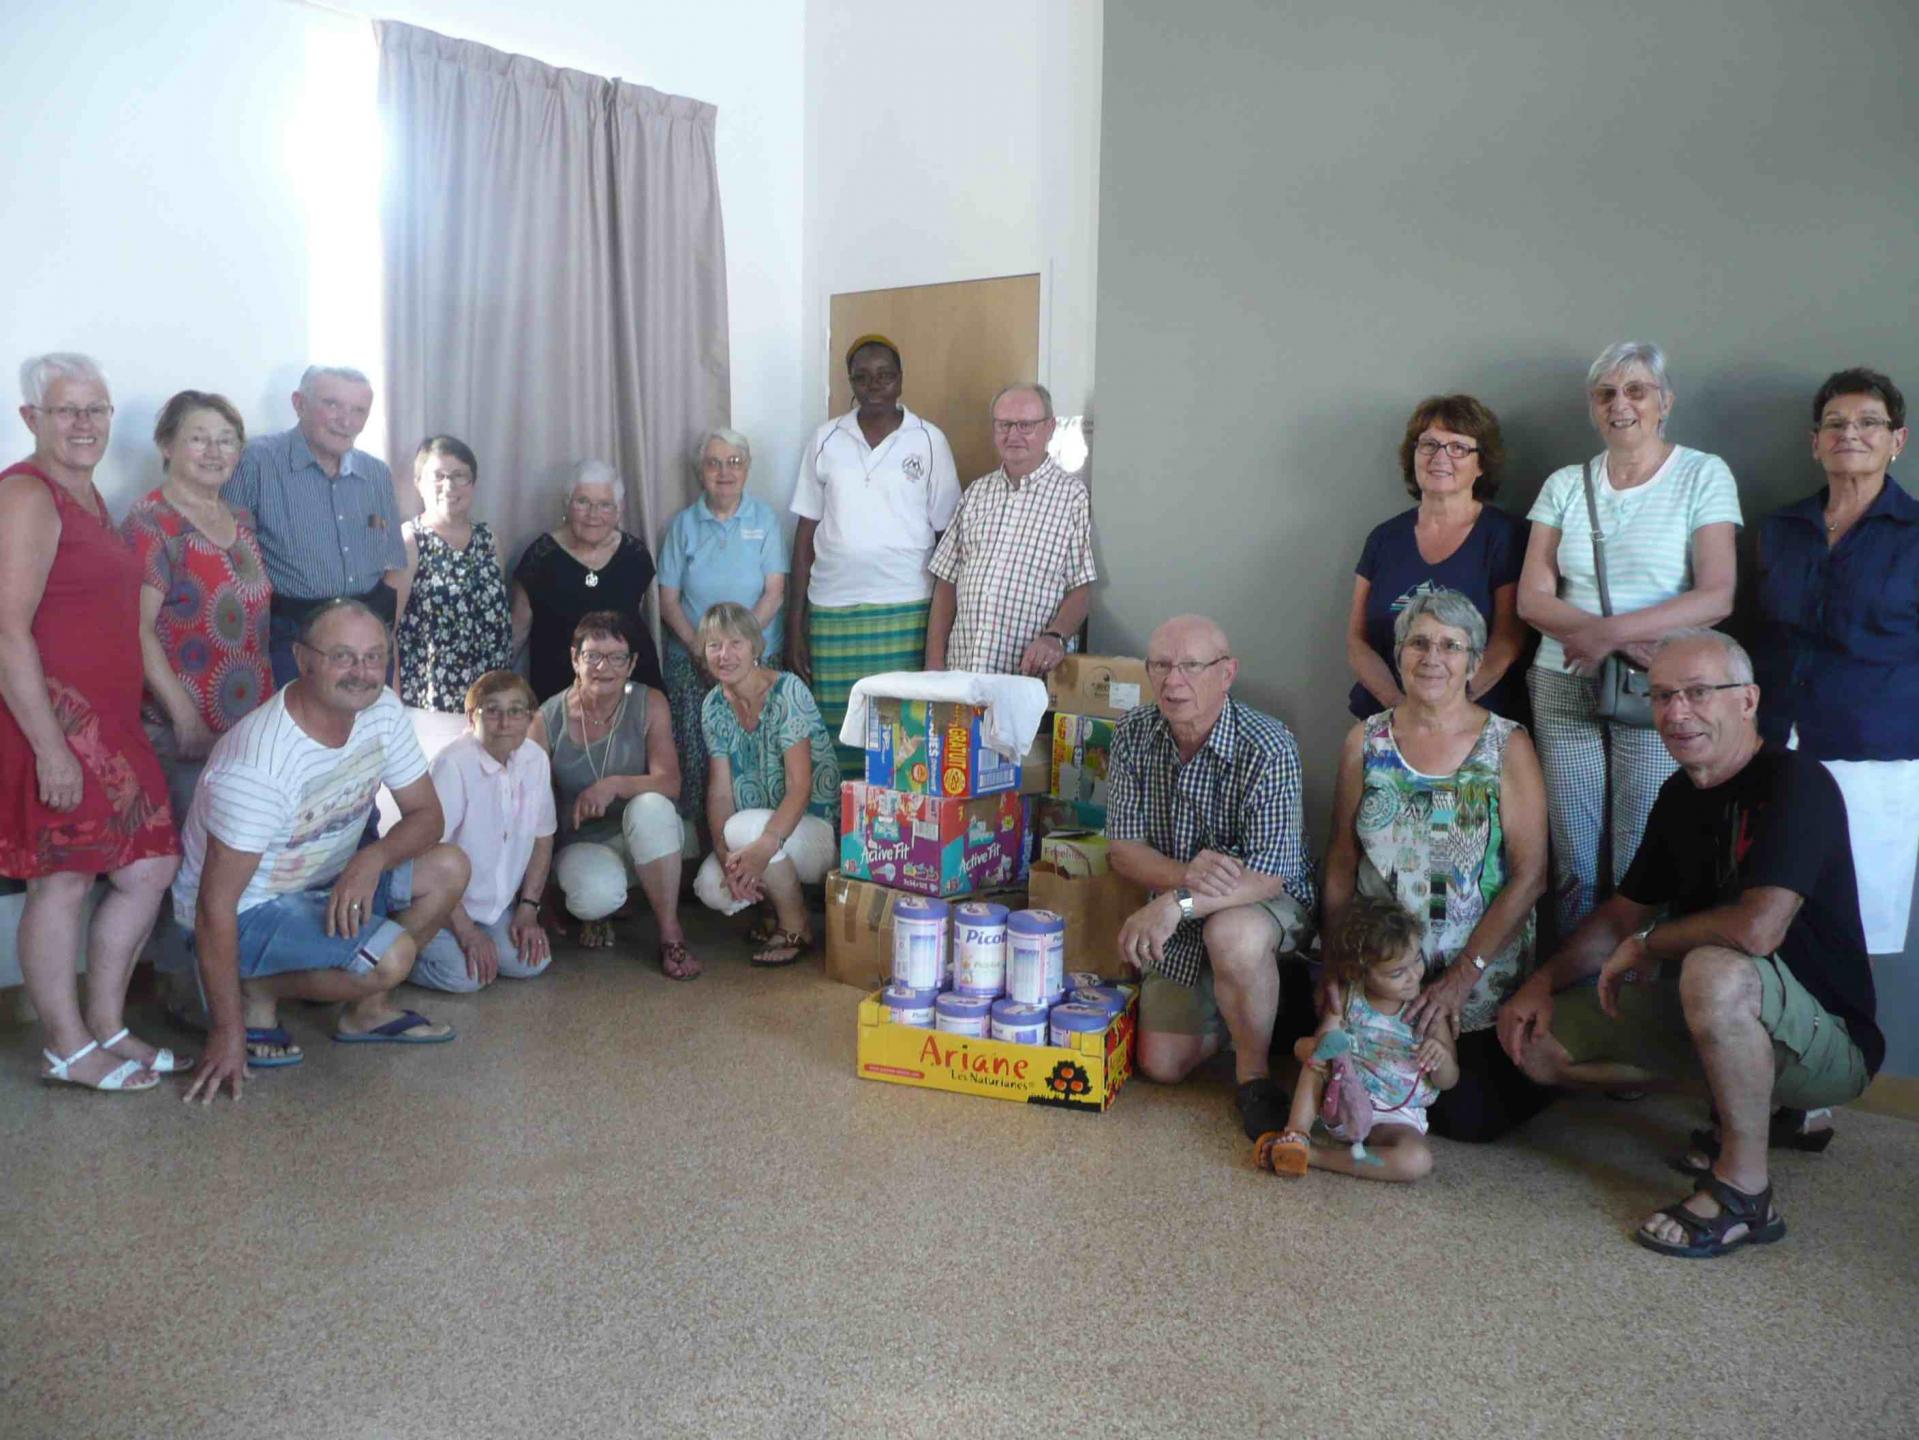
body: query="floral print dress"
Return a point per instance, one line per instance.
(458, 623)
(1435, 844)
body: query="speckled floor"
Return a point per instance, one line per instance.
(623, 1206)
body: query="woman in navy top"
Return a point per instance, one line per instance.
(1452, 539)
(1838, 657)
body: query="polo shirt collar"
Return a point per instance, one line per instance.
(1893, 504)
(705, 511)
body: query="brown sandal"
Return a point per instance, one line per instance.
(677, 962)
(786, 945)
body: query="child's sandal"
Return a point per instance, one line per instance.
(1282, 1152)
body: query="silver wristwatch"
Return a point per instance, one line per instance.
(1184, 898)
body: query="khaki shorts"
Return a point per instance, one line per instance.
(1815, 1062)
(1167, 1007)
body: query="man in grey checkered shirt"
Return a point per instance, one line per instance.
(1013, 574)
(1203, 808)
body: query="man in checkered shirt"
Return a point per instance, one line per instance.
(1203, 808)
(1013, 575)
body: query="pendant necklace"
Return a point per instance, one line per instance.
(598, 772)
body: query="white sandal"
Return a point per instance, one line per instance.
(163, 1063)
(117, 1079)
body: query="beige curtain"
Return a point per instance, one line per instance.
(555, 278)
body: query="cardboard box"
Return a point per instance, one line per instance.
(859, 928)
(1036, 770)
(1103, 685)
(1095, 906)
(1075, 852)
(1085, 1076)
(922, 747)
(1082, 753)
(930, 844)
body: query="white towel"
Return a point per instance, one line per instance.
(1882, 797)
(1014, 704)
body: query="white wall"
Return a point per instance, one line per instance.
(155, 204)
(954, 142)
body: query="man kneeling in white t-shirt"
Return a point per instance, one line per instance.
(283, 901)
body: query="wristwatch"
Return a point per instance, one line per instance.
(1054, 634)
(1640, 935)
(1479, 963)
(1184, 898)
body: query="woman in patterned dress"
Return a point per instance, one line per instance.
(1441, 808)
(81, 791)
(204, 594)
(773, 786)
(455, 621)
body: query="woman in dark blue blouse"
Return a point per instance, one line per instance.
(1838, 651)
(1452, 539)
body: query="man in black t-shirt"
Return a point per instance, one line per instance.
(1754, 974)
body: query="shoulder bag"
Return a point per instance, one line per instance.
(1622, 691)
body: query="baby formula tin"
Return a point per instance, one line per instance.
(909, 1007)
(1018, 1023)
(1074, 1018)
(919, 944)
(1107, 997)
(1035, 956)
(964, 1014)
(979, 948)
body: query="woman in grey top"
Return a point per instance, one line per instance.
(616, 778)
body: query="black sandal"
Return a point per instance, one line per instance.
(1785, 1131)
(1706, 1234)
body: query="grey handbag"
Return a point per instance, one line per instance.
(1622, 691)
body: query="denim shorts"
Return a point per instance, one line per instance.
(288, 932)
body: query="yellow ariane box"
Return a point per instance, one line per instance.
(1083, 1076)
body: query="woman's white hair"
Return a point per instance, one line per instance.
(597, 472)
(1449, 608)
(1631, 352)
(38, 373)
(726, 437)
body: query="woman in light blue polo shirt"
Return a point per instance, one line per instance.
(727, 545)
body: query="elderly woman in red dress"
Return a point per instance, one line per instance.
(81, 793)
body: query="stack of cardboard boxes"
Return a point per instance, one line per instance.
(937, 814)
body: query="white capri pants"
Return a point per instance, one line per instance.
(593, 875)
(812, 848)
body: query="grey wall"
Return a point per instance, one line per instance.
(1309, 221)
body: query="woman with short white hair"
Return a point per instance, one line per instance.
(727, 545)
(81, 791)
(584, 564)
(773, 787)
(1667, 519)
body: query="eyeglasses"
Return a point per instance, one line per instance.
(595, 507)
(1633, 390)
(505, 715)
(1696, 695)
(453, 479)
(723, 462)
(344, 659)
(1866, 425)
(1025, 427)
(1425, 645)
(1189, 669)
(1458, 449)
(67, 414)
(211, 442)
(602, 660)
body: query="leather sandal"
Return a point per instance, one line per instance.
(1706, 1234)
(782, 947)
(1284, 1153)
(677, 962)
(163, 1063)
(116, 1081)
(1785, 1131)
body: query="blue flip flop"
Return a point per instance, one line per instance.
(397, 1031)
(272, 1035)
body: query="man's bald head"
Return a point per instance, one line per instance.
(1192, 668)
(1198, 630)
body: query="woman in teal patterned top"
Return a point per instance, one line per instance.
(1440, 807)
(772, 786)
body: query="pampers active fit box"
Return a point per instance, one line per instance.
(930, 844)
(926, 747)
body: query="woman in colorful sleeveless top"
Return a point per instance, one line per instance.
(1440, 807)
(455, 620)
(81, 792)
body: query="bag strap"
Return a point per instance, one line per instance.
(1599, 547)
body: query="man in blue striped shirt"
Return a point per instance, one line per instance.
(325, 513)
